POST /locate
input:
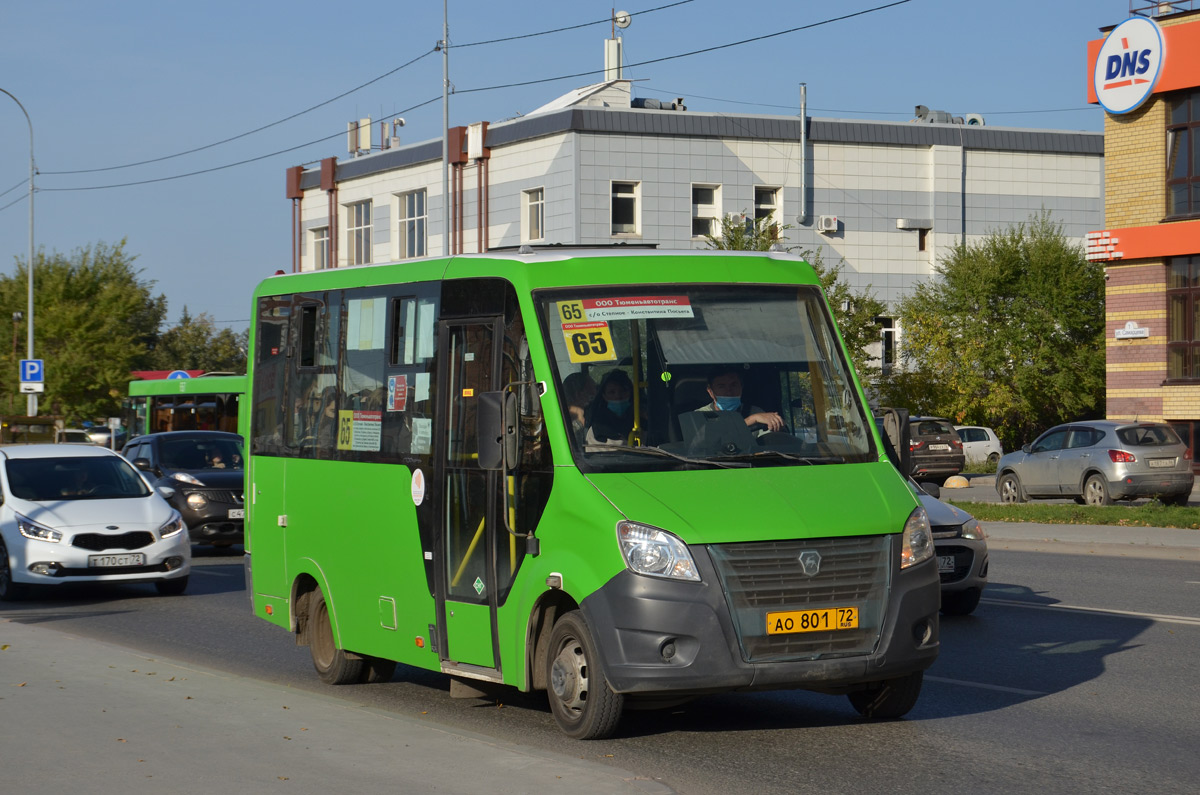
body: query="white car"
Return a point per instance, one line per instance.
(74, 513)
(980, 444)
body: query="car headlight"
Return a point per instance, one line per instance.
(917, 543)
(31, 529)
(657, 553)
(196, 501)
(173, 527)
(184, 477)
(974, 531)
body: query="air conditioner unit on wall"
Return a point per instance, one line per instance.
(827, 224)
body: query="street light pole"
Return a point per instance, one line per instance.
(32, 403)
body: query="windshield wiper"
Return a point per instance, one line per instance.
(833, 459)
(658, 451)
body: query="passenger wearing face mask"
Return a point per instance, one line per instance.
(725, 392)
(612, 410)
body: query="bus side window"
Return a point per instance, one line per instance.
(270, 372)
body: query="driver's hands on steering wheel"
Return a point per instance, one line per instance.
(770, 419)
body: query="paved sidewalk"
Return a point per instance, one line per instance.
(1148, 542)
(84, 715)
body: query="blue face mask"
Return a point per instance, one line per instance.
(618, 407)
(729, 403)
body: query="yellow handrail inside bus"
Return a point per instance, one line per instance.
(470, 551)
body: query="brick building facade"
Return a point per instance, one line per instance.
(1151, 244)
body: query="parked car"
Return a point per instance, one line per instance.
(204, 469)
(937, 452)
(960, 544)
(76, 513)
(102, 436)
(72, 436)
(980, 444)
(1099, 462)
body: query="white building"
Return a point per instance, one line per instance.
(597, 168)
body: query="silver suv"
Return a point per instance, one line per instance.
(1098, 462)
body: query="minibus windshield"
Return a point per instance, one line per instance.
(660, 377)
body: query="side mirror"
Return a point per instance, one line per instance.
(142, 464)
(1027, 449)
(497, 430)
(932, 489)
(895, 432)
(166, 491)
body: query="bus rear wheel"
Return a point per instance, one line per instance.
(334, 666)
(584, 706)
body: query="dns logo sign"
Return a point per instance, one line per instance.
(1128, 65)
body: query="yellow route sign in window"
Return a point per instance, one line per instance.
(589, 342)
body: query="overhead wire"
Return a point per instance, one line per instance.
(691, 53)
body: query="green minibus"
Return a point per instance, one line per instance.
(627, 478)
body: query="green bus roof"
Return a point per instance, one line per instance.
(203, 385)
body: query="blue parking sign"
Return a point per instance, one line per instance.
(33, 371)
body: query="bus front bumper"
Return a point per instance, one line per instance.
(658, 637)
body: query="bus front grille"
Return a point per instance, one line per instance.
(765, 577)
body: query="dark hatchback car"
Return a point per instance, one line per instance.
(205, 469)
(937, 450)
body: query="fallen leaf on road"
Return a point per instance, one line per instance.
(21, 685)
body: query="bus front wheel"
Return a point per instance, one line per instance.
(584, 706)
(889, 699)
(334, 666)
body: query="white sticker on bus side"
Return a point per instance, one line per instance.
(418, 487)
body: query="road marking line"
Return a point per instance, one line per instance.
(1100, 610)
(1000, 688)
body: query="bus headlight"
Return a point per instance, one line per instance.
(173, 527)
(917, 543)
(657, 553)
(31, 529)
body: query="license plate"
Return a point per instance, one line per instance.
(940, 448)
(832, 618)
(945, 563)
(237, 513)
(112, 561)
(1161, 462)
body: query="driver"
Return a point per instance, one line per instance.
(725, 392)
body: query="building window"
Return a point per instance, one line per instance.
(320, 239)
(1183, 318)
(412, 224)
(625, 208)
(1183, 156)
(766, 203)
(534, 215)
(706, 210)
(358, 233)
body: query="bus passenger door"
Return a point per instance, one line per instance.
(471, 500)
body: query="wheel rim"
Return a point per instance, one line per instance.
(321, 643)
(1094, 493)
(1008, 490)
(569, 677)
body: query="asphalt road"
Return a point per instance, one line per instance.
(1078, 673)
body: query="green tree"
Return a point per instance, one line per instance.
(195, 344)
(94, 321)
(854, 310)
(1009, 334)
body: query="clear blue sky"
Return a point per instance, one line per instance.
(109, 84)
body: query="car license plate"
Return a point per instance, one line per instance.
(237, 513)
(945, 563)
(832, 618)
(1156, 463)
(113, 561)
(940, 448)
